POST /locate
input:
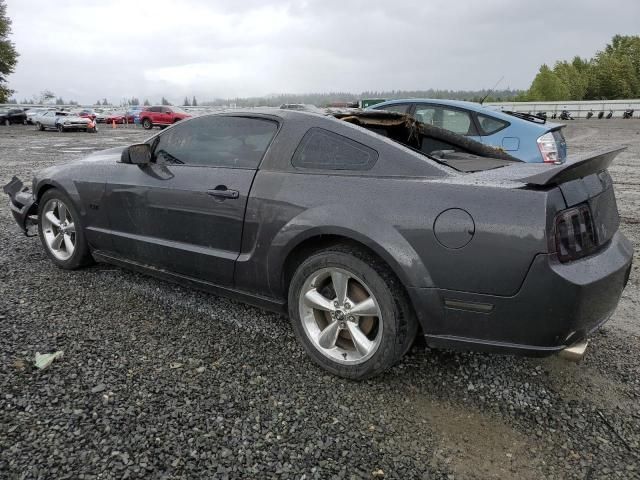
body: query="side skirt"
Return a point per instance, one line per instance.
(266, 303)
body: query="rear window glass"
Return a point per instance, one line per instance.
(325, 150)
(490, 125)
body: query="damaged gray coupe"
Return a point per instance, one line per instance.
(343, 223)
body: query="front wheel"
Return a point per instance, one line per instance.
(350, 313)
(39, 126)
(61, 231)
(60, 128)
(146, 124)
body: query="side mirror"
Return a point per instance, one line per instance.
(139, 154)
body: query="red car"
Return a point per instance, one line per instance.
(161, 116)
(90, 114)
(115, 117)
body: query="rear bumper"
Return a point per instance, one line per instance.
(557, 306)
(22, 204)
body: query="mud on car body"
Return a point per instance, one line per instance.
(346, 226)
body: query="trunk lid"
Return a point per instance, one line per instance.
(582, 180)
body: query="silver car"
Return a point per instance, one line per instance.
(63, 121)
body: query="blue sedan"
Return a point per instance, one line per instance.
(526, 137)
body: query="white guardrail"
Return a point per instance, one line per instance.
(578, 109)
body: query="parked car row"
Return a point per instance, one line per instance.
(86, 119)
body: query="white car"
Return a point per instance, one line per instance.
(63, 121)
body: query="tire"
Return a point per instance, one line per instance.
(60, 128)
(147, 124)
(388, 330)
(69, 255)
(7, 122)
(39, 127)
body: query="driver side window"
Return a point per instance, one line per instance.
(216, 141)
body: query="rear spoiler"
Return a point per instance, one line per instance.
(574, 168)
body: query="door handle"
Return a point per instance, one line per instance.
(221, 191)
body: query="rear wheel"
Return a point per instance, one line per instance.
(60, 128)
(39, 126)
(147, 124)
(61, 231)
(350, 313)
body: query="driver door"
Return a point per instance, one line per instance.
(184, 212)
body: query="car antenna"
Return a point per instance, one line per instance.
(491, 90)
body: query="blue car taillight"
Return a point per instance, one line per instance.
(548, 147)
(575, 233)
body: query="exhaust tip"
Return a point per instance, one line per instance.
(575, 352)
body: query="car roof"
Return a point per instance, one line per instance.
(475, 107)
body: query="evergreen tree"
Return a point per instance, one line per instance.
(186, 102)
(164, 101)
(146, 103)
(193, 102)
(8, 53)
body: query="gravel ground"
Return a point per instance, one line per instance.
(159, 381)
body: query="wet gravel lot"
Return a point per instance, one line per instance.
(159, 381)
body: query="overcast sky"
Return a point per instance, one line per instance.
(85, 50)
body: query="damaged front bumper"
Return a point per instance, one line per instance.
(23, 206)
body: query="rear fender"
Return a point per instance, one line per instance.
(363, 227)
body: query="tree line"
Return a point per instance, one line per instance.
(612, 73)
(326, 99)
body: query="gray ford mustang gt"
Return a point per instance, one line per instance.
(341, 221)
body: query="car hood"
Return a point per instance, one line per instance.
(108, 155)
(93, 166)
(74, 118)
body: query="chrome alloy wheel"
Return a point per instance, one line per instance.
(58, 229)
(340, 316)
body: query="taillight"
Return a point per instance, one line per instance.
(575, 233)
(549, 148)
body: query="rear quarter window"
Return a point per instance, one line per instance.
(490, 125)
(324, 150)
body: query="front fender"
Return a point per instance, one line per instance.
(361, 226)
